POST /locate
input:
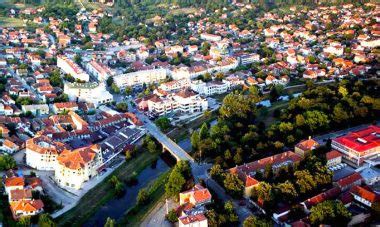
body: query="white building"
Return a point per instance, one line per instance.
(175, 85)
(90, 92)
(78, 166)
(36, 109)
(249, 58)
(184, 101)
(41, 152)
(211, 37)
(139, 78)
(99, 70)
(210, 88)
(71, 68)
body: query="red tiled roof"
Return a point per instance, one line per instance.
(307, 144)
(365, 193)
(349, 180)
(333, 154)
(361, 140)
(192, 218)
(329, 194)
(14, 181)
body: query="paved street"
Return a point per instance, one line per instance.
(157, 216)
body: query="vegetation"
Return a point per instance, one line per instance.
(330, 213)
(178, 177)
(7, 162)
(220, 214)
(253, 221)
(163, 123)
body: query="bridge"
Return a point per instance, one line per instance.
(167, 143)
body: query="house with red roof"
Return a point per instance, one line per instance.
(26, 208)
(198, 220)
(364, 195)
(350, 181)
(358, 146)
(13, 183)
(333, 158)
(305, 147)
(198, 195)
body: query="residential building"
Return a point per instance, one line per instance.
(60, 107)
(210, 88)
(13, 183)
(26, 208)
(72, 68)
(196, 220)
(36, 109)
(42, 152)
(348, 182)
(78, 166)
(359, 146)
(91, 92)
(99, 70)
(333, 158)
(248, 171)
(211, 37)
(370, 175)
(364, 195)
(175, 85)
(305, 147)
(139, 78)
(196, 196)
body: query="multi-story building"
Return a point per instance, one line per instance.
(249, 58)
(211, 37)
(359, 146)
(41, 152)
(71, 68)
(91, 92)
(78, 166)
(210, 88)
(196, 196)
(99, 70)
(184, 101)
(59, 107)
(195, 220)
(139, 78)
(36, 109)
(305, 147)
(175, 85)
(364, 195)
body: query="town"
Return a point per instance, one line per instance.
(192, 115)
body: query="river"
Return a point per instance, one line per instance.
(115, 208)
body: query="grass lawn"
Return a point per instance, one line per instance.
(103, 192)
(266, 114)
(135, 215)
(11, 22)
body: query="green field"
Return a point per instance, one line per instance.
(11, 22)
(103, 192)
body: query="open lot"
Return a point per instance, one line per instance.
(11, 22)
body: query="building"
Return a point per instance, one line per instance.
(211, 37)
(91, 92)
(359, 146)
(175, 85)
(333, 158)
(60, 107)
(348, 182)
(305, 147)
(78, 166)
(249, 58)
(364, 195)
(13, 183)
(184, 101)
(370, 175)
(196, 220)
(36, 109)
(42, 152)
(139, 78)
(196, 196)
(247, 172)
(100, 71)
(26, 208)
(210, 88)
(71, 68)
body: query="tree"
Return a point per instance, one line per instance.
(152, 147)
(203, 132)
(235, 105)
(142, 197)
(163, 123)
(340, 114)
(304, 181)
(175, 183)
(122, 106)
(287, 191)
(172, 216)
(216, 172)
(7, 162)
(316, 120)
(110, 222)
(45, 220)
(252, 221)
(233, 185)
(109, 81)
(264, 192)
(115, 89)
(330, 213)
(24, 221)
(195, 139)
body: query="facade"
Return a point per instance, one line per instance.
(93, 92)
(78, 166)
(71, 68)
(210, 88)
(139, 78)
(249, 58)
(348, 182)
(42, 152)
(197, 220)
(364, 195)
(359, 146)
(59, 107)
(99, 70)
(370, 175)
(184, 101)
(211, 37)
(36, 109)
(175, 85)
(305, 147)
(26, 208)
(333, 158)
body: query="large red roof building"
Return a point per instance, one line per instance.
(359, 146)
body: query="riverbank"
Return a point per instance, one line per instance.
(138, 213)
(103, 192)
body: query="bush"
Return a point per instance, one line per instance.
(142, 197)
(172, 216)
